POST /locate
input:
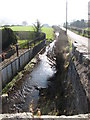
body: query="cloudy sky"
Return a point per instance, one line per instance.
(47, 11)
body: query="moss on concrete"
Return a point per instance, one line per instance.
(27, 69)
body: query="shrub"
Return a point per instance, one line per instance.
(8, 38)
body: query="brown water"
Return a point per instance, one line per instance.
(27, 93)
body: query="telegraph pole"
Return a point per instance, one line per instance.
(66, 17)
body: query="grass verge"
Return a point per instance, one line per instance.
(70, 44)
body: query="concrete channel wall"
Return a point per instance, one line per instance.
(11, 69)
(78, 74)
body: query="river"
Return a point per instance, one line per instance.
(27, 93)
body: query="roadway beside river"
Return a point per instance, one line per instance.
(79, 39)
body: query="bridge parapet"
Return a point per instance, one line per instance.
(29, 116)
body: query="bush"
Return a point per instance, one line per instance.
(8, 38)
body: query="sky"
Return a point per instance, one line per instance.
(46, 11)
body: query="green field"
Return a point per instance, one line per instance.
(47, 30)
(22, 28)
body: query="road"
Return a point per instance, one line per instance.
(79, 39)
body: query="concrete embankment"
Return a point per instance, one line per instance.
(78, 76)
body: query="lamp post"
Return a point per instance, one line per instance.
(66, 17)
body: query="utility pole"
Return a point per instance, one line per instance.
(66, 17)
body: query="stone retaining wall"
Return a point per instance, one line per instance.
(78, 72)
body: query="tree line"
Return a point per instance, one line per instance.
(78, 24)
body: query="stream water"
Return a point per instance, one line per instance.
(27, 93)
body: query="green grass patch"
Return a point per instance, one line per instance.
(47, 30)
(22, 28)
(25, 44)
(22, 42)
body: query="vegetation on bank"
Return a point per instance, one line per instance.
(70, 44)
(8, 38)
(12, 83)
(27, 69)
(83, 32)
(22, 41)
(80, 27)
